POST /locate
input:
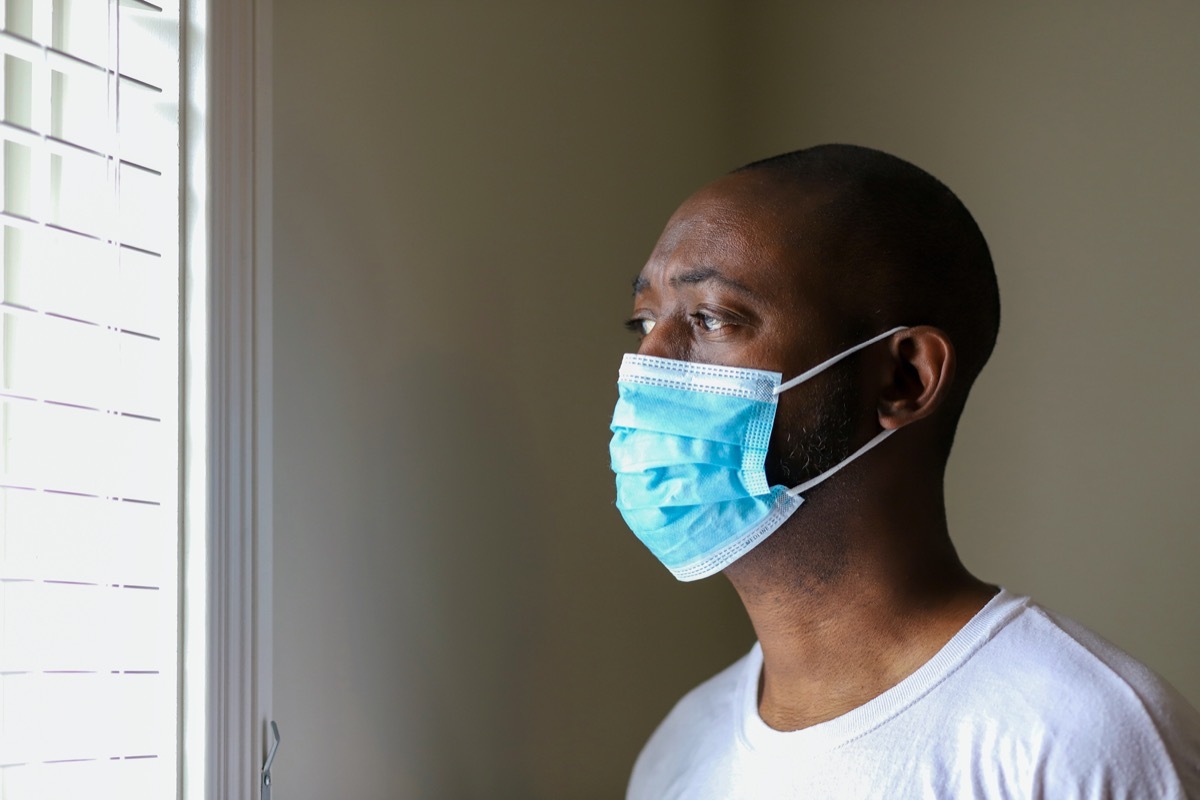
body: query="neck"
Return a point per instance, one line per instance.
(847, 600)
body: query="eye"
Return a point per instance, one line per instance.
(641, 327)
(708, 322)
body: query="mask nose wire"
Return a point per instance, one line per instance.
(826, 364)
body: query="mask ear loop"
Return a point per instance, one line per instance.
(819, 368)
(811, 482)
(824, 365)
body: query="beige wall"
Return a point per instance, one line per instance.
(462, 199)
(462, 195)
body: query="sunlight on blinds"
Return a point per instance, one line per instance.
(89, 424)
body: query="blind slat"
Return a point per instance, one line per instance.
(54, 536)
(87, 452)
(65, 715)
(62, 273)
(82, 364)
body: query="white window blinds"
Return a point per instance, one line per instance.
(89, 401)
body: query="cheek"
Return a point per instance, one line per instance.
(829, 405)
(799, 410)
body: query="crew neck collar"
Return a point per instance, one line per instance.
(757, 735)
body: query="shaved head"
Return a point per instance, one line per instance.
(898, 243)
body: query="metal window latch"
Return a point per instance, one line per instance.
(266, 770)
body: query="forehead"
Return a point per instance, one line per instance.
(727, 212)
(751, 230)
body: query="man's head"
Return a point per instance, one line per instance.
(792, 259)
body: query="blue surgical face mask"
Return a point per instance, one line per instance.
(688, 448)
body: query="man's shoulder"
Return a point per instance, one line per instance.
(1050, 656)
(713, 699)
(711, 706)
(698, 733)
(1071, 704)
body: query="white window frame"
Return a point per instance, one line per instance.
(227, 667)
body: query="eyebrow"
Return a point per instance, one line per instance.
(694, 277)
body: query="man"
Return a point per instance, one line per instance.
(882, 668)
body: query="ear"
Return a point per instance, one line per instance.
(917, 376)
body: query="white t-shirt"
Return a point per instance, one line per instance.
(1021, 703)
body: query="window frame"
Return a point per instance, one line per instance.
(228, 439)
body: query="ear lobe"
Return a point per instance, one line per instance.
(918, 376)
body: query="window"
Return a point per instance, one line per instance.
(135, 398)
(90, 440)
